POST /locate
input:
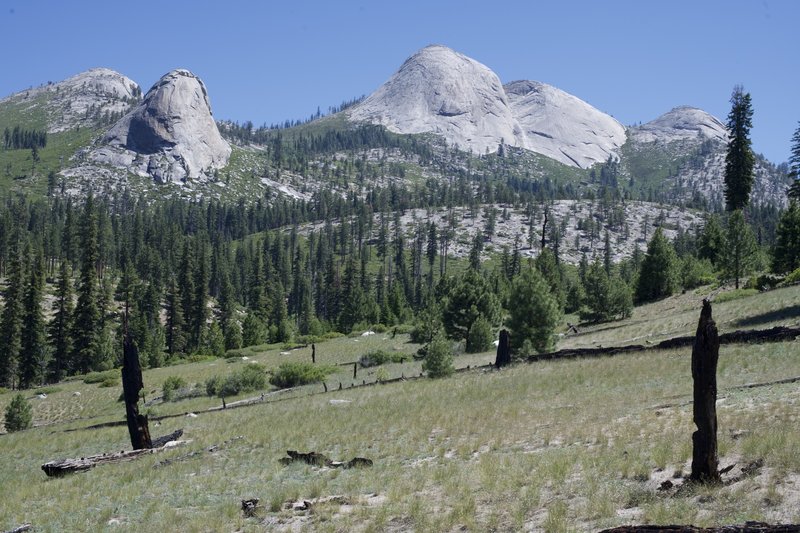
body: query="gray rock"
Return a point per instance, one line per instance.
(681, 123)
(440, 91)
(562, 126)
(171, 136)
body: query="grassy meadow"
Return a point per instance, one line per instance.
(566, 445)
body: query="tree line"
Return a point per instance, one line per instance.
(19, 138)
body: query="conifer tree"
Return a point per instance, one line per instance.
(739, 161)
(175, 325)
(470, 298)
(11, 321)
(533, 313)
(87, 325)
(33, 354)
(741, 248)
(60, 327)
(786, 255)
(794, 166)
(658, 273)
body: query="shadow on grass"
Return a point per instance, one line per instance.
(770, 316)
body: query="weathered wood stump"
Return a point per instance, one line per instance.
(503, 350)
(705, 354)
(131, 385)
(313, 353)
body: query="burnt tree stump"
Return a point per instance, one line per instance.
(131, 385)
(503, 350)
(705, 354)
(313, 353)
(355, 370)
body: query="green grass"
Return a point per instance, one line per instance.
(567, 445)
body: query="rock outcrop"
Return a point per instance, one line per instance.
(438, 90)
(89, 99)
(171, 136)
(679, 124)
(562, 126)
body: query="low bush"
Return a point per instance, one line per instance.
(51, 389)
(381, 357)
(171, 387)
(18, 415)
(294, 374)
(100, 377)
(110, 381)
(734, 295)
(438, 361)
(248, 379)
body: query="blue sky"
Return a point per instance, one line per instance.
(269, 61)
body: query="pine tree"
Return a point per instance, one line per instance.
(11, 321)
(199, 311)
(741, 249)
(739, 161)
(33, 354)
(786, 255)
(794, 166)
(711, 243)
(471, 297)
(658, 275)
(60, 327)
(533, 312)
(87, 326)
(175, 326)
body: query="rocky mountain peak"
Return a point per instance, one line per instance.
(84, 100)
(681, 123)
(441, 91)
(171, 135)
(562, 126)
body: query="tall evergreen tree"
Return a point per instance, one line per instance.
(739, 161)
(794, 166)
(741, 249)
(786, 255)
(33, 356)
(11, 321)
(658, 275)
(175, 325)
(533, 313)
(60, 327)
(87, 325)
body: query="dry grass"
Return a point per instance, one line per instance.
(571, 445)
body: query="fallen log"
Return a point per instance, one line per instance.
(320, 459)
(747, 527)
(20, 529)
(62, 467)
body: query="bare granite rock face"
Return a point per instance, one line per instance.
(438, 90)
(681, 123)
(562, 126)
(171, 136)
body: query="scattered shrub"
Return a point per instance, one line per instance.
(100, 377)
(171, 386)
(111, 381)
(294, 374)
(52, 389)
(480, 336)
(248, 379)
(19, 414)
(3, 390)
(438, 362)
(381, 357)
(734, 295)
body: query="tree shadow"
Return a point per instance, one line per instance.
(770, 316)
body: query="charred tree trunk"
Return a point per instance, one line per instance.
(131, 385)
(503, 350)
(544, 229)
(313, 353)
(705, 354)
